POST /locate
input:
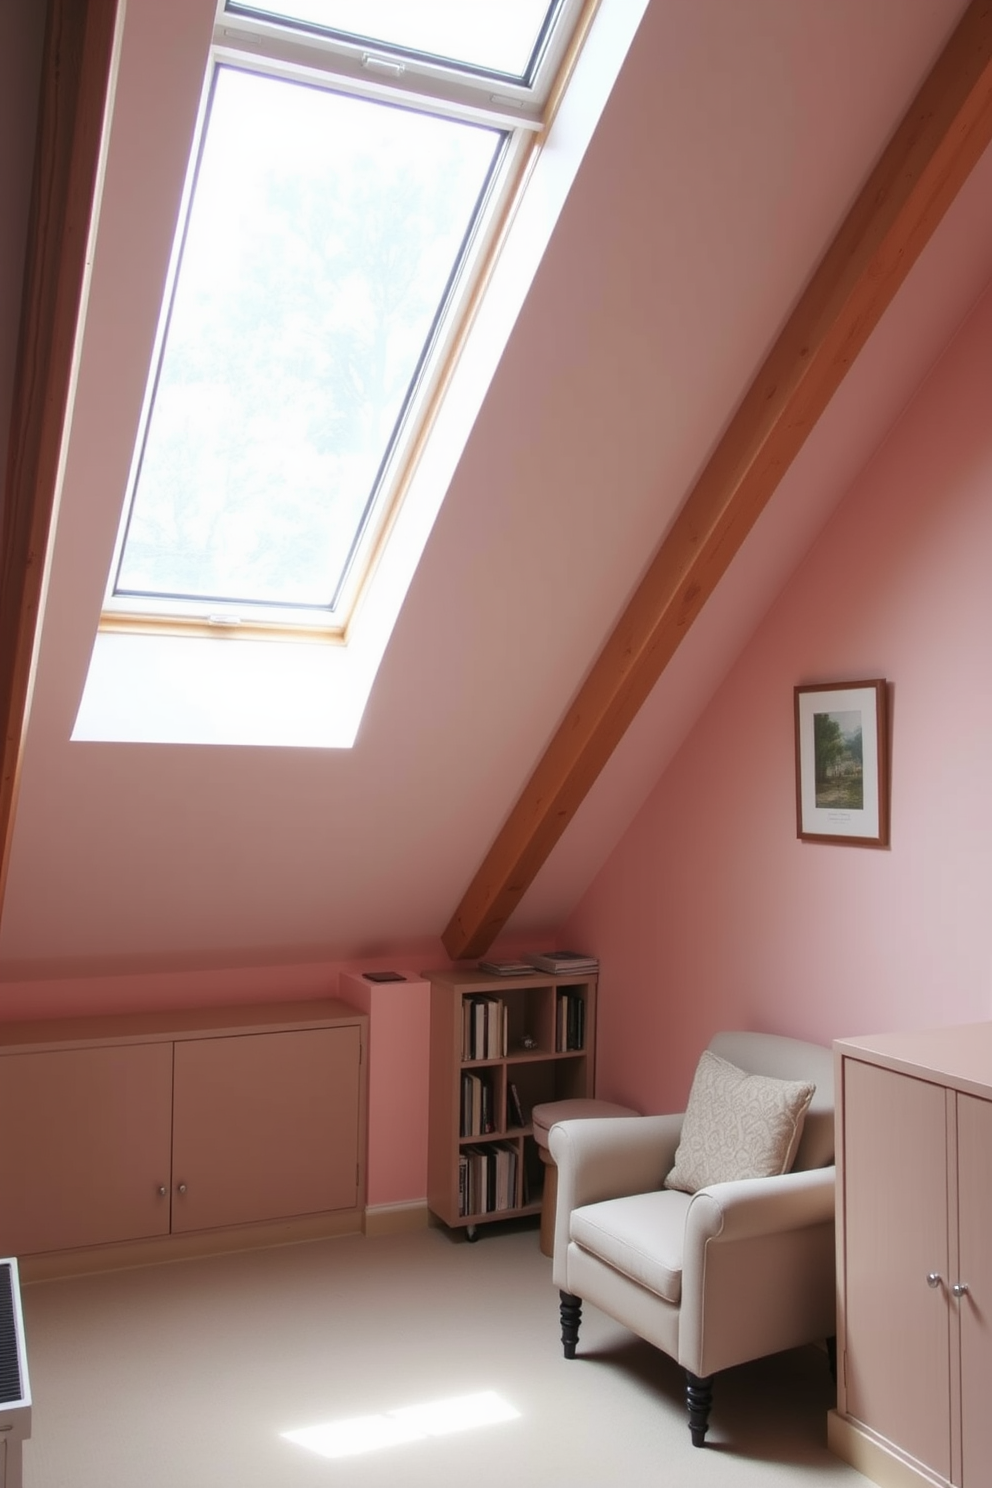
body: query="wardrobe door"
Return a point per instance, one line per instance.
(975, 1272)
(897, 1239)
(266, 1126)
(84, 1157)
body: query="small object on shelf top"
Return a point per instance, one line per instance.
(507, 968)
(558, 961)
(383, 976)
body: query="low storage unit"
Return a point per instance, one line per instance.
(499, 1047)
(132, 1129)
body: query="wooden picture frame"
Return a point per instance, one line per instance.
(842, 777)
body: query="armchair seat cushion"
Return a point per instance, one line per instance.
(641, 1237)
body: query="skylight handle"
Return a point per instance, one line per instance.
(385, 65)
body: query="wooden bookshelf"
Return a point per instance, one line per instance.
(491, 1036)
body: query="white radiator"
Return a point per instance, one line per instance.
(15, 1391)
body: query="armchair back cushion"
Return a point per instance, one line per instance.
(737, 1125)
(790, 1059)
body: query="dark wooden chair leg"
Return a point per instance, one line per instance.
(832, 1356)
(699, 1399)
(571, 1317)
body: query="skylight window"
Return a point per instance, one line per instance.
(333, 230)
(321, 244)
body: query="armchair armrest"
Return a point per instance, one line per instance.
(607, 1158)
(760, 1206)
(757, 1269)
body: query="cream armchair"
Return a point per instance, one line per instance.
(732, 1272)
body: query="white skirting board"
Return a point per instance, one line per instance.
(396, 1219)
(878, 1460)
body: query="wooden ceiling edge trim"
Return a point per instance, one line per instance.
(935, 147)
(78, 67)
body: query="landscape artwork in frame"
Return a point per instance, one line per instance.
(842, 763)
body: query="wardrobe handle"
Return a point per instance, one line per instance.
(162, 1190)
(959, 1288)
(933, 1278)
(181, 1187)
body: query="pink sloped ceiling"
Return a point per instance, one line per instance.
(710, 913)
(732, 142)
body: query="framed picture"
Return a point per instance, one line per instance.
(842, 784)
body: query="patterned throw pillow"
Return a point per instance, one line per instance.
(737, 1126)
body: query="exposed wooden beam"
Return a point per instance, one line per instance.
(77, 69)
(939, 141)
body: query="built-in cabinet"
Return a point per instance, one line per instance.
(130, 1128)
(499, 1047)
(914, 1257)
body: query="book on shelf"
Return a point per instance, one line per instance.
(487, 1179)
(478, 1116)
(480, 1021)
(465, 1121)
(468, 1182)
(563, 963)
(514, 1106)
(570, 1021)
(483, 1028)
(473, 1165)
(506, 1176)
(507, 968)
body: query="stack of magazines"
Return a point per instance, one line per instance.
(563, 963)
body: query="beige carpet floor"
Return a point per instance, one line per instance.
(187, 1376)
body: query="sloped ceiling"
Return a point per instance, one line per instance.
(734, 141)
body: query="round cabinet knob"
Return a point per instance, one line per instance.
(933, 1278)
(181, 1187)
(959, 1288)
(162, 1191)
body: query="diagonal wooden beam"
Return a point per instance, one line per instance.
(940, 139)
(77, 72)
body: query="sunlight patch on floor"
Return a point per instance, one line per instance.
(357, 1434)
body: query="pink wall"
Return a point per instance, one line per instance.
(710, 913)
(399, 1060)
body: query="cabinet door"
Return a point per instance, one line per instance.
(265, 1126)
(897, 1327)
(975, 1269)
(85, 1147)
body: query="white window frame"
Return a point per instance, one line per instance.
(354, 68)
